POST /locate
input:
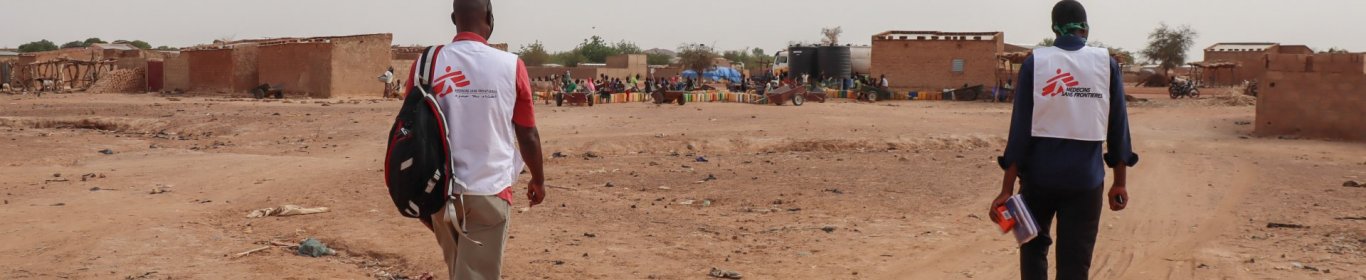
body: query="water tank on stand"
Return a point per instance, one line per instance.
(802, 60)
(834, 62)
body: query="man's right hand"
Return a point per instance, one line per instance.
(535, 191)
(1000, 201)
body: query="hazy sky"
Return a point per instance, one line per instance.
(726, 24)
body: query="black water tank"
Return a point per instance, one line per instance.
(834, 62)
(802, 60)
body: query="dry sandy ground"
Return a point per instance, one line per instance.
(895, 190)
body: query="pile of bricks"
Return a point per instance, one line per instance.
(120, 81)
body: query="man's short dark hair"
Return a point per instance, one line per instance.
(471, 11)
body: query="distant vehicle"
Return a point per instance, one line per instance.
(860, 56)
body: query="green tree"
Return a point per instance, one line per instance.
(73, 44)
(93, 41)
(697, 57)
(624, 47)
(739, 56)
(656, 58)
(38, 46)
(568, 59)
(534, 54)
(595, 50)
(1167, 46)
(1336, 50)
(140, 44)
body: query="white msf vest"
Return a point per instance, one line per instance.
(476, 87)
(1071, 93)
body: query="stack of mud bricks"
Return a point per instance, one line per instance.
(1320, 96)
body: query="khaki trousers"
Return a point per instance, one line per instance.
(485, 220)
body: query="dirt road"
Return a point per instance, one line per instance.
(895, 190)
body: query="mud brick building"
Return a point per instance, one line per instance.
(1313, 95)
(933, 60)
(321, 67)
(327, 67)
(225, 68)
(1251, 60)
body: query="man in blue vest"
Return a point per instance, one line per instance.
(1075, 107)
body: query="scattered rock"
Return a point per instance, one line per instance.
(609, 185)
(724, 274)
(1242, 122)
(1283, 225)
(710, 177)
(590, 235)
(834, 191)
(59, 204)
(160, 189)
(589, 155)
(107, 151)
(828, 229)
(95, 189)
(314, 248)
(702, 159)
(558, 155)
(56, 175)
(1353, 184)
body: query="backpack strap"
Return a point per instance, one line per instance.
(426, 66)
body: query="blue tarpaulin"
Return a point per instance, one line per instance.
(716, 74)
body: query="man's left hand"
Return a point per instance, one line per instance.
(1119, 198)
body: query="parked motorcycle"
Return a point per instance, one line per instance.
(1179, 89)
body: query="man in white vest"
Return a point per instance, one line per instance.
(1074, 109)
(486, 95)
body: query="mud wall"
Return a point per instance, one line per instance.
(927, 64)
(176, 73)
(300, 68)
(355, 64)
(1318, 96)
(210, 70)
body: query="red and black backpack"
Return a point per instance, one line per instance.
(417, 164)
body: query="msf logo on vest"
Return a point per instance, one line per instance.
(1064, 84)
(448, 82)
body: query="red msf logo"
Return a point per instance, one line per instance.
(443, 84)
(1059, 83)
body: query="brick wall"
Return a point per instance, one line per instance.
(1251, 66)
(301, 68)
(927, 64)
(176, 73)
(356, 61)
(244, 74)
(210, 70)
(1313, 95)
(222, 70)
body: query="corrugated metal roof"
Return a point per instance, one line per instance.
(9, 53)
